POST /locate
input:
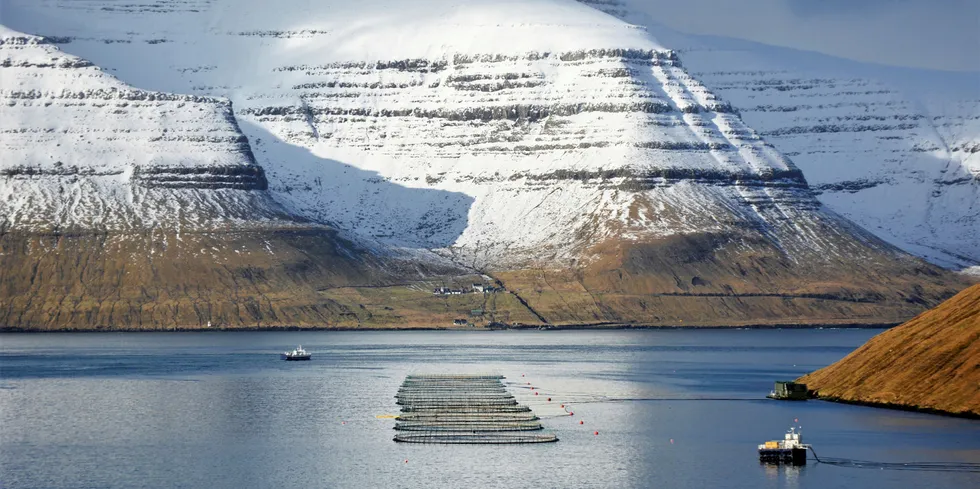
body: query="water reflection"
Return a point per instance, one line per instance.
(787, 475)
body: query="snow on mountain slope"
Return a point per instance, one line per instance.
(127, 208)
(82, 150)
(562, 151)
(547, 113)
(896, 150)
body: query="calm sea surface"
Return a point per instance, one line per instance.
(673, 408)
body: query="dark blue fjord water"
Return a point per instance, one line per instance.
(673, 408)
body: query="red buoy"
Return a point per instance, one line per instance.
(535, 393)
(571, 413)
(563, 406)
(596, 433)
(549, 399)
(581, 422)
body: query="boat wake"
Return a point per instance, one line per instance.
(917, 466)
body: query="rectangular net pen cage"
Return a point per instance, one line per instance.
(464, 409)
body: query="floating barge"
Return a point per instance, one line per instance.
(789, 391)
(464, 409)
(790, 450)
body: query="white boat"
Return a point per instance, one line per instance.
(298, 354)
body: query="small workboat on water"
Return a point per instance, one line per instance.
(298, 354)
(790, 450)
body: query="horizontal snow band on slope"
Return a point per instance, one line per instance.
(113, 94)
(848, 186)
(822, 128)
(62, 63)
(23, 40)
(423, 65)
(529, 113)
(59, 170)
(213, 177)
(639, 180)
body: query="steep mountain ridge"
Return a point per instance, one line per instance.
(895, 150)
(560, 150)
(83, 151)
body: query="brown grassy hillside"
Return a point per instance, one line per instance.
(306, 276)
(931, 362)
(716, 280)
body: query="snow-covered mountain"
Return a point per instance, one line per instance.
(81, 150)
(506, 135)
(488, 99)
(896, 150)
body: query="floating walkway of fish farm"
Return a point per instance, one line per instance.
(455, 409)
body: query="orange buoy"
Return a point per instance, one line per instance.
(595, 433)
(570, 413)
(581, 422)
(563, 406)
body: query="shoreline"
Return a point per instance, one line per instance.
(564, 327)
(901, 407)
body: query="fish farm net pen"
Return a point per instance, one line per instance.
(451, 382)
(455, 391)
(473, 427)
(916, 466)
(458, 403)
(453, 388)
(443, 387)
(474, 438)
(452, 377)
(464, 409)
(467, 409)
(456, 399)
(452, 417)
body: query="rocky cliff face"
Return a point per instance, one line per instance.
(551, 137)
